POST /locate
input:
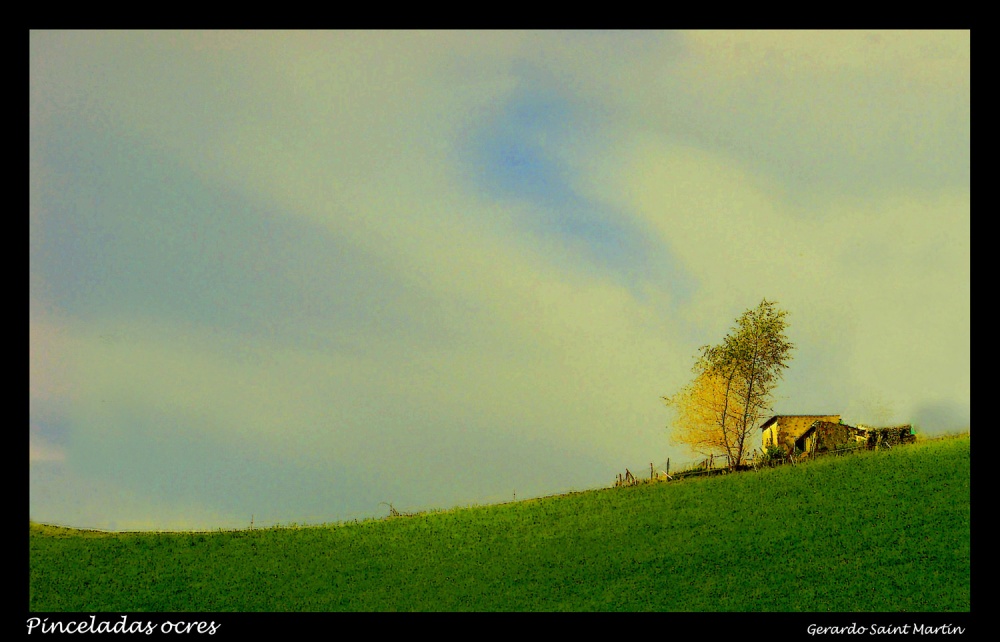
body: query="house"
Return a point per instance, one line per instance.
(793, 431)
(811, 433)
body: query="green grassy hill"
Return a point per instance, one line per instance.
(875, 531)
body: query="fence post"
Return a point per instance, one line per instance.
(651, 475)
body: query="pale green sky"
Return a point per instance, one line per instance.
(296, 274)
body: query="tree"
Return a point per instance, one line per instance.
(719, 412)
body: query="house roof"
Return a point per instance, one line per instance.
(816, 425)
(796, 425)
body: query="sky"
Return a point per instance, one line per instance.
(296, 277)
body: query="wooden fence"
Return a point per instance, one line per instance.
(719, 464)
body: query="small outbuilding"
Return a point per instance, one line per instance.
(794, 431)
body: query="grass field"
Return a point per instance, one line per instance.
(883, 531)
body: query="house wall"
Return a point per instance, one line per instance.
(770, 436)
(786, 430)
(807, 443)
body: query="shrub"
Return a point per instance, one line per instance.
(774, 452)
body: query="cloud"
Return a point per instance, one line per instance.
(876, 283)
(302, 273)
(59, 496)
(942, 417)
(39, 449)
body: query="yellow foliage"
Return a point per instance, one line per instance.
(708, 414)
